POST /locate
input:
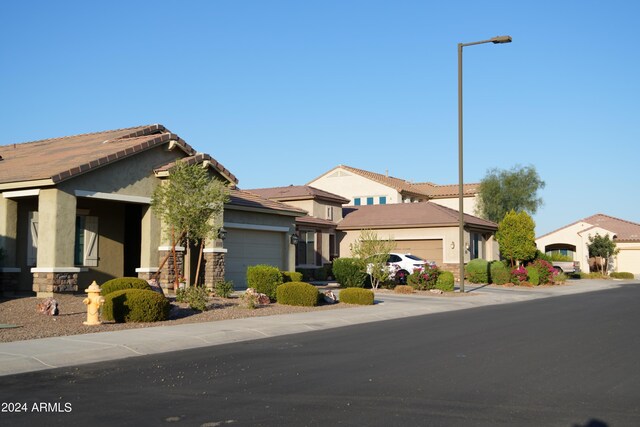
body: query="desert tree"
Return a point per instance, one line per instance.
(374, 252)
(516, 237)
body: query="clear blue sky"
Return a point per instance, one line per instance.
(282, 91)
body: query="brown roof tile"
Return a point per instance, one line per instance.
(313, 221)
(58, 159)
(298, 192)
(407, 215)
(247, 199)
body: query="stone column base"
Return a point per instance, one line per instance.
(166, 278)
(214, 266)
(48, 281)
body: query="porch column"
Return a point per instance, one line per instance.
(55, 271)
(9, 273)
(151, 240)
(213, 258)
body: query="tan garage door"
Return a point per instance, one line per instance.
(251, 247)
(428, 249)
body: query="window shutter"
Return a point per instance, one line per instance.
(32, 239)
(90, 241)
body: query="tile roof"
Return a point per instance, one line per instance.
(247, 199)
(310, 220)
(298, 192)
(427, 189)
(626, 231)
(201, 158)
(58, 159)
(407, 215)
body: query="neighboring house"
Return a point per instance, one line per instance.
(425, 229)
(362, 187)
(77, 209)
(317, 240)
(573, 240)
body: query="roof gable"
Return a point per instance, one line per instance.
(625, 231)
(298, 192)
(50, 161)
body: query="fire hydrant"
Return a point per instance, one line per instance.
(93, 302)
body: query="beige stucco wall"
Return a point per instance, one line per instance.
(56, 223)
(469, 203)
(350, 185)
(8, 231)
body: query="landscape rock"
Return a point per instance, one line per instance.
(436, 291)
(48, 306)
(330, 297)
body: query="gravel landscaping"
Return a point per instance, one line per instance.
(20, 321)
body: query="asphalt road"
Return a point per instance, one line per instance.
(565, 361)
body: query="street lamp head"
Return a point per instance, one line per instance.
(501, 39)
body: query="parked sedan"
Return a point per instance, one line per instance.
(405, 264)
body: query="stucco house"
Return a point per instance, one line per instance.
(425, 229)
(317, 236)
(573, 240)
(77, 209)
(363, 187)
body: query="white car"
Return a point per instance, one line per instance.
(402, 265)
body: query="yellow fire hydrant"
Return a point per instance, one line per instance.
(93, 301)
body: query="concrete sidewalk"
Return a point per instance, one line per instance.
(27, 356)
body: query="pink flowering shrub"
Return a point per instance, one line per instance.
(424, 279)
(519, 275)
(545, 270)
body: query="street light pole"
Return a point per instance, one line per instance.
(461, 245)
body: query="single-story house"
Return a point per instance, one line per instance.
(573, 240)
(362, 187)
(317, 242)
(76, 209)
(425, 229)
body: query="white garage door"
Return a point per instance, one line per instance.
(251, 247)
(427, 249)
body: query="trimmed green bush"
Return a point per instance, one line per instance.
(124, 283)
(403, 289)
(291, 276)
(533, 275)
(297, 293)
(477, 271)
(445, 281)
(223, 288)
(195, 296)
(500, 273)
(265, 279)
(349, 272)
(356, 296)
(621, 275)
(135, 305)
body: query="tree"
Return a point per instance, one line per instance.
(604, 248)
(189, 203)
(504, 190)
(374, 252)
(516, 237)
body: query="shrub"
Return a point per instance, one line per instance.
(195, 296)
(291, 276)
(621, 275)
(403, 289)
(424, 279)
(592, 275)
(533, 275)
(264, 279)
(518, 275)
(445, 281)
(356, 296)
(135, 305)
(123, 283)
(499, 273)
(349, 272)
(546, 271)
(560, 278)
(223, 288)
(297, 293)
(477, 271)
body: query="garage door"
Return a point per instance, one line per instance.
(251, 247)
(427, 249)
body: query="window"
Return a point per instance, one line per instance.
(329, 213)
(476, 248)
(383, 200)
(356, 201)
(306, 249)
(369, 200)
(85, 247)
